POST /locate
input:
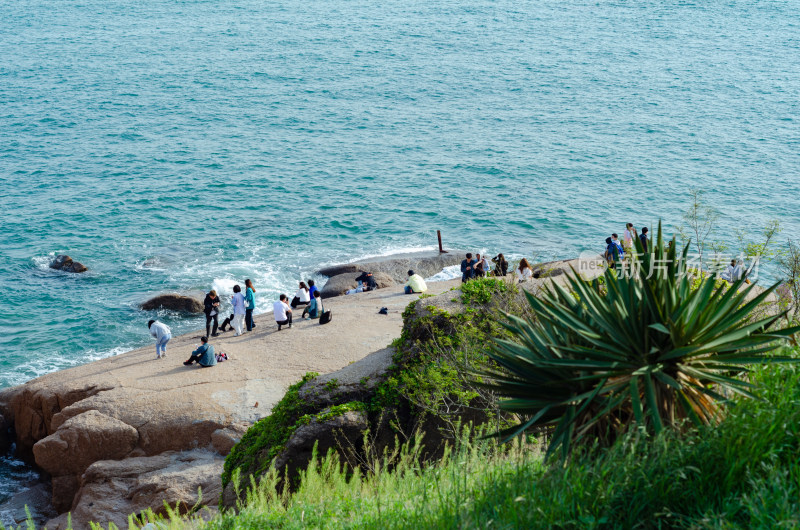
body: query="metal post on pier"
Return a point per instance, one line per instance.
(439, 235)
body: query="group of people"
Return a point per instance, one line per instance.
(241, 319)
(478, 267)
(616, 249)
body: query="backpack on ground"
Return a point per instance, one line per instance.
(325, 317)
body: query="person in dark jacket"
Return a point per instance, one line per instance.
(643, 238)
(501, 268)
(368, 281)
(204, 355)
(468, 268)
(612, 253)
(250, 300)
(211, 309)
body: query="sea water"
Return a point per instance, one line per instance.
(183, 145)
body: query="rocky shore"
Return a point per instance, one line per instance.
(127, 433)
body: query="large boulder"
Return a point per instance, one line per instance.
(82, 440)
(64, 263)
(341, 283)
(110, 490)
(174, 302)
(79, 442)
(423, 263)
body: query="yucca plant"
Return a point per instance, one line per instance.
(642, 347)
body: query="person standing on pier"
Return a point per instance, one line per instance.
(239, 310)
(250, 299)
(211, 309)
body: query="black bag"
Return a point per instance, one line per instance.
(325, 317)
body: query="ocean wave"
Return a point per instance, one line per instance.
(38, 366)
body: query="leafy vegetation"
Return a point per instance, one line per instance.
(646, 351)
(742, 473)
(265, 439)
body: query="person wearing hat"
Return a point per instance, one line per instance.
(415, 284)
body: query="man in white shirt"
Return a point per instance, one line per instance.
(282, 312)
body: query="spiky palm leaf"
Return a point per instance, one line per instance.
(647, 349)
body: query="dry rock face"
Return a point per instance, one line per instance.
(174, 302)
(83, 440)
(341, 283)
(64, 263)
(110, 490)
(423, 263)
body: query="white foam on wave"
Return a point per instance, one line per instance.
(448, 273)
(43, 262)
(37, 367)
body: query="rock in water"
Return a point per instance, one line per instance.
(175, 302)
(341, 283)
(423, 263)
(64, 263)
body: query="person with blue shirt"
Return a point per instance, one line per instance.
(620, 248)
(312, 289)
(204, 355)
(314, 309)
(611, 254)
(250, 300)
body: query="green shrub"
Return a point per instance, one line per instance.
(648, 350)
(267, 437)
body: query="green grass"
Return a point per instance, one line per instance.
(742, 473)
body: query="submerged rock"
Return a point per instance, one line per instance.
(64, 263)
(174, 302)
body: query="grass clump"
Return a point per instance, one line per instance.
(742, 473)
(265, 439)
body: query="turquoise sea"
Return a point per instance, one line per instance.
(185, 144)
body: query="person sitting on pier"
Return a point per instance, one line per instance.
(367, 282)
(467, 268)
(301, 297)
(481, 266)
(524, 271)
(227, 324)
(282, 312)
(502, 265)
(314, 309)
(415, 284)
(204, 355)
(312, 289)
